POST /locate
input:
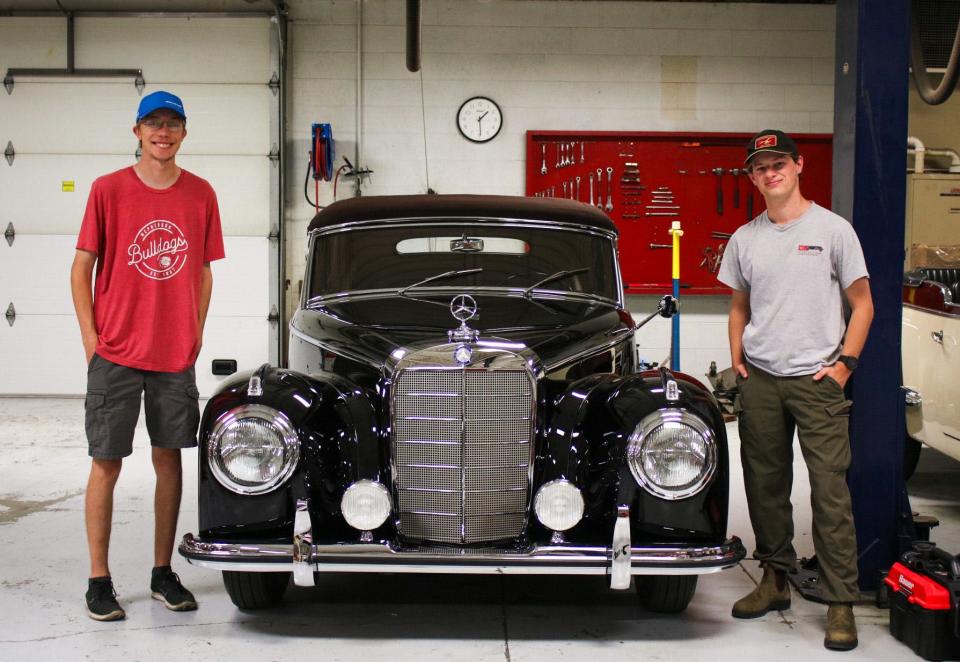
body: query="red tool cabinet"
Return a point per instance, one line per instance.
(649, 179)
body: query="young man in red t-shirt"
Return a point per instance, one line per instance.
(151, 231)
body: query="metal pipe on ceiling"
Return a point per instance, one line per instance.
(358, 155)
(71, 71)
(413, 35)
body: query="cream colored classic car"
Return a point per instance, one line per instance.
(931, 362)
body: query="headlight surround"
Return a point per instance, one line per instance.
(672, 454)
(253, 449)
(365, 505)
(559, 505)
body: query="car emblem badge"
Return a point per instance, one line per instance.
(463, 307)
(462, 354)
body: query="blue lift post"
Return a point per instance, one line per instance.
(675, 233)
(869, 188)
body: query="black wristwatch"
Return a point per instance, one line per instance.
(850, 361)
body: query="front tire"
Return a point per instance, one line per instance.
(255, 590)
(666, 594)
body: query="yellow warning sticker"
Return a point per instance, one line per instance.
(67, 187)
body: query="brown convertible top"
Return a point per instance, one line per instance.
(377, 207)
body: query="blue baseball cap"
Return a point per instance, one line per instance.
(156, 101)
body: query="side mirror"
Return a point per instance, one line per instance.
(668, 306)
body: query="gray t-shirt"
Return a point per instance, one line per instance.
(795, 274)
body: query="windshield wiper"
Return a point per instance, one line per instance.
(552, 277)
(446, 274)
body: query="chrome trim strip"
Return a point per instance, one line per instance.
(495, 221)
(621, 290)
(435, 513)
(447, 491)
(454, 569)
(383, 557)
(953, 314)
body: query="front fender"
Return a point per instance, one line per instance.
(338, 433)
(586, 443)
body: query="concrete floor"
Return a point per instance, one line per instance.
(371, 617)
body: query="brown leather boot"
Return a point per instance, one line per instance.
(841, 627)
(772, 593)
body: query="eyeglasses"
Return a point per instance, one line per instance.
(776, 166)
(155, 124)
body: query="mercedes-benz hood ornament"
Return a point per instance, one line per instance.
(463, 307)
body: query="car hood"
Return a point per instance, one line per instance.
(372, 328)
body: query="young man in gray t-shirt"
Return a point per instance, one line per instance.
(793, 353)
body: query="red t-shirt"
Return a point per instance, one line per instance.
(151, 245)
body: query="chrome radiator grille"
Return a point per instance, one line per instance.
(462, 453)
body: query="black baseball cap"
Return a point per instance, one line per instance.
(771, 140)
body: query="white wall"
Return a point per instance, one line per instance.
(630, 66)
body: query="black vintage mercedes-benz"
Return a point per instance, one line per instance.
(463, 396)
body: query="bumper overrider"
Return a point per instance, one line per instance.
(620, 560)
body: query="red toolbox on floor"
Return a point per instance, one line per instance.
(925, 602)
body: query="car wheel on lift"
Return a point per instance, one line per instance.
(911, 456)
(667, 594)
(255, 590)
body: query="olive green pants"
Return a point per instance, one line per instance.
(771, 408)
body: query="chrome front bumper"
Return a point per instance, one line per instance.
(303, 559)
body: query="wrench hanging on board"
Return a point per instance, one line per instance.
(719, 173)
(609, 206)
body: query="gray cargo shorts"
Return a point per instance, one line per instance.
(113, 407)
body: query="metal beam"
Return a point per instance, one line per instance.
(71, 71)
(869, 188)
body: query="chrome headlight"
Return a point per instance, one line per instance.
(672, 454)
(559, 505)
(252, 449)
(365, 505)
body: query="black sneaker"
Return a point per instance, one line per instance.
(165, 586)
(102, 602)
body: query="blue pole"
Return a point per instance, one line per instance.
(676, 233)
(675, 335)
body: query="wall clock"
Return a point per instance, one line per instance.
(479, 119)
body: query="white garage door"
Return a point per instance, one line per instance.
(65, 132)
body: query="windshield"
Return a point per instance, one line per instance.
(396, 256)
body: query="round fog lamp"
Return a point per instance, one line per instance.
(365, 505)
(559, 505)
